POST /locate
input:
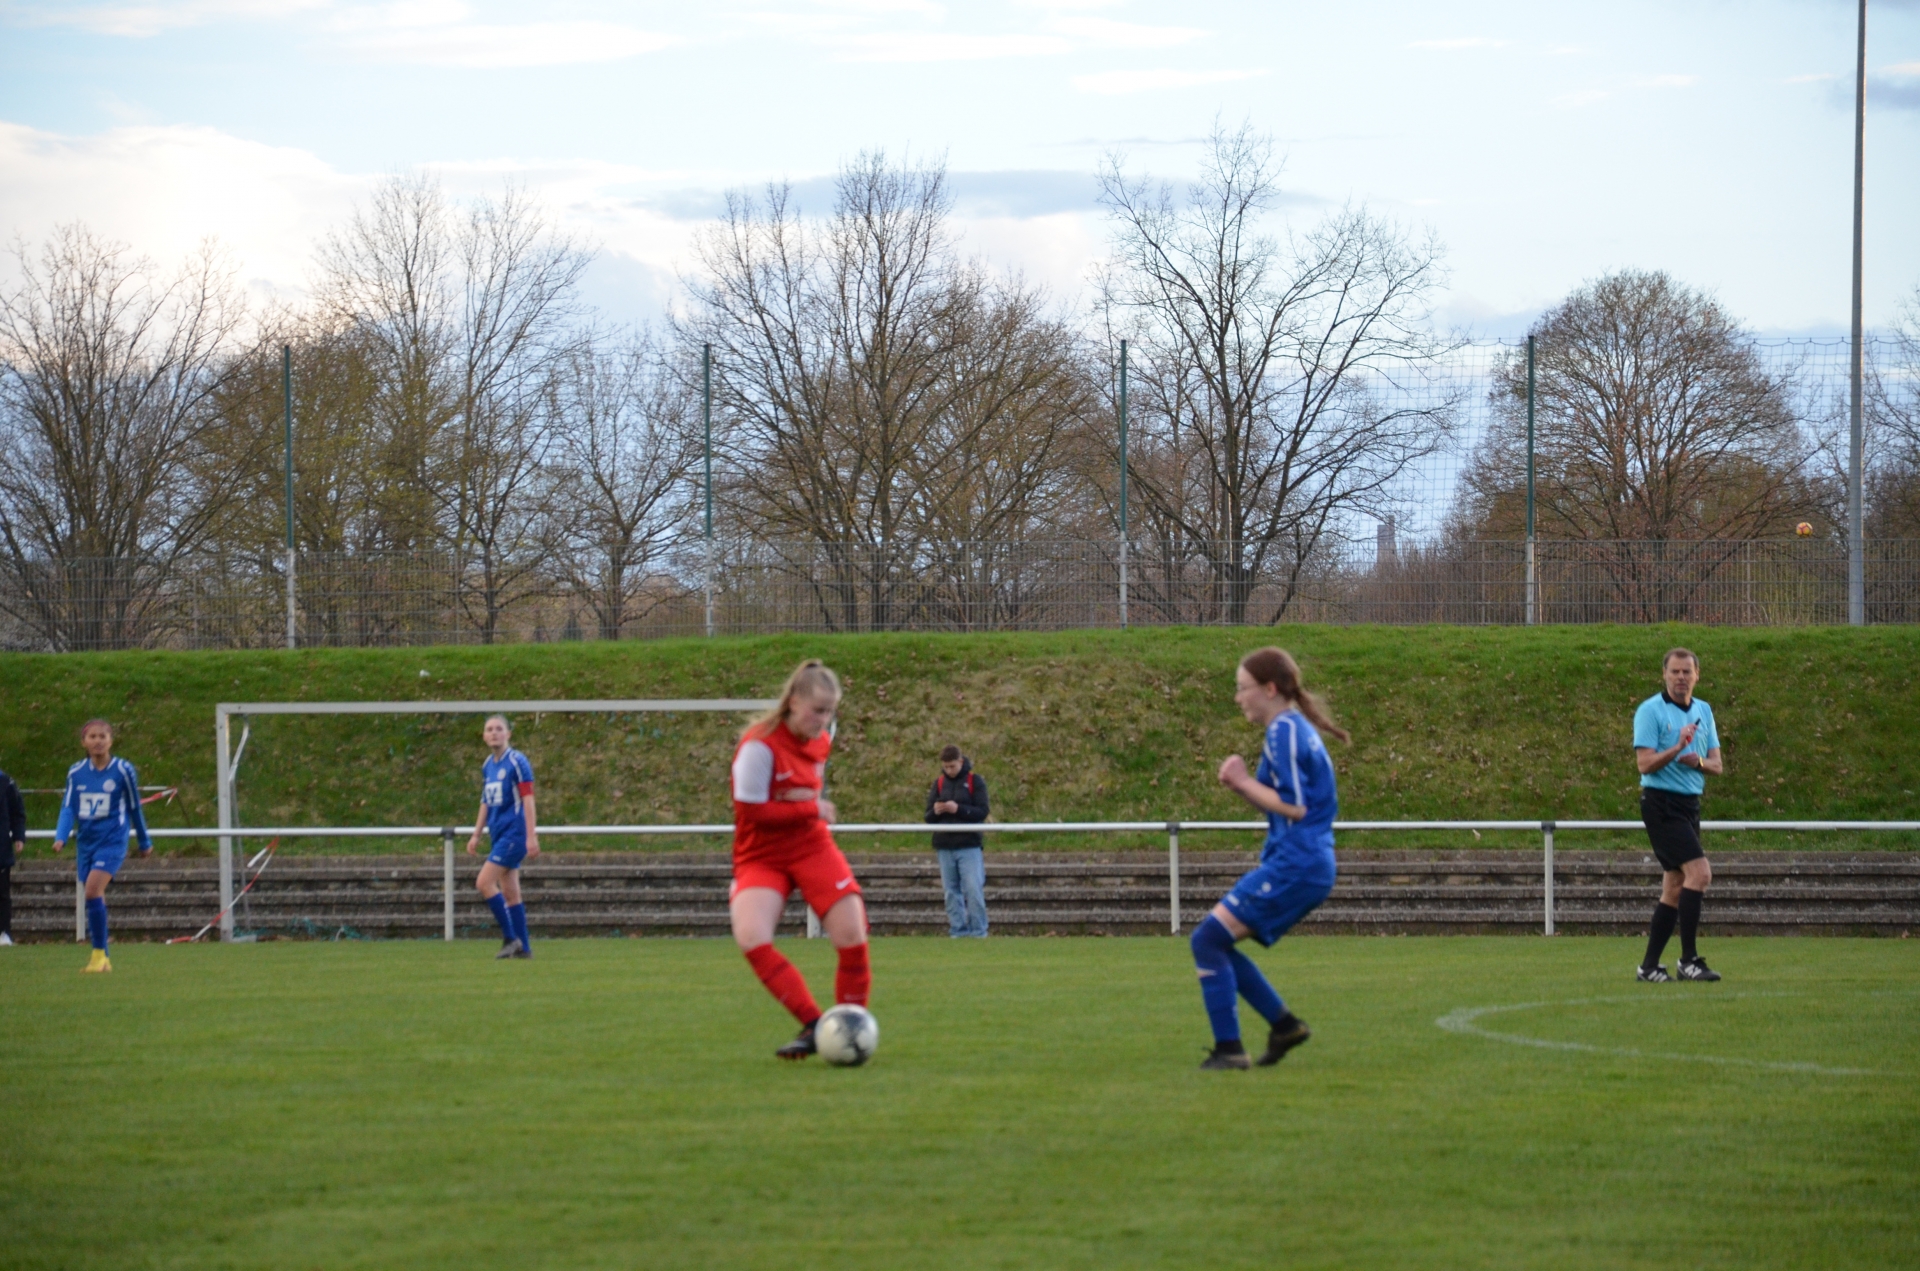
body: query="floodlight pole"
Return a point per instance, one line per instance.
(1856, 528)
(706, 419)
(1123, 485)
(286, 413)
(1533, 578)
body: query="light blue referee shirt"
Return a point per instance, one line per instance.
(1656, 726)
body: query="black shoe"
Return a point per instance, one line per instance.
(521, 951)
(1654, 975)
(1696, 968)
(509, 949)
(1220, 1059)
(800, 1047)
(1283, 1039)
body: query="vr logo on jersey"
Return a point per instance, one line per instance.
(493, 795)
(94, 806)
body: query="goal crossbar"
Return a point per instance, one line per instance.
(226, 758)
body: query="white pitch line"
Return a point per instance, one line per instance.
(1462, 1020)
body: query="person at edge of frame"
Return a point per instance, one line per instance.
(13, 840)
(1676, 745)
(508, 818)
(101, 807)
(959, 796)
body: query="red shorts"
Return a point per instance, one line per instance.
(822, 875)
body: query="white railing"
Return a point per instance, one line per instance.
(447, 834)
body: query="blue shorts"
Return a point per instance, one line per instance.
(107, 860)
(509, 854)
(1272, 898)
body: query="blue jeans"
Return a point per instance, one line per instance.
(963, 876)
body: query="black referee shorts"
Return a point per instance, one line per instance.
(1673, 825)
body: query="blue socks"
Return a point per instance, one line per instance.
(1213, 958)
(517, 914)
(498, 904)
(1227, 974)
(1254, 987)
(97, 923)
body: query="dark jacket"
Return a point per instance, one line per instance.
(969, 790)
(13, 819)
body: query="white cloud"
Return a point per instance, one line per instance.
(1462, 42)
(1810, 79)
(165, 190)
(1130, 35)
(1115, 83)
(1901, 68)
(946, 46)
(534, 44)
(1666, 81)
(138, 21)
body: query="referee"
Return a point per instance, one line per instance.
(1676, 745)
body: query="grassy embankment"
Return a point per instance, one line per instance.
(1448, 722)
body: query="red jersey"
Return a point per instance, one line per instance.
(766, 764)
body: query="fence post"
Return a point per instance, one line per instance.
(1533, 579)
(1173, 876)
(446, 844)
(79, 909)
(1546, 829)
(223, 793)
(1123, 485)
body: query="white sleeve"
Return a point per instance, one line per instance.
(753, 773)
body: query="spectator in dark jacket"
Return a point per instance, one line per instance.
(959, 796)
(13, 838)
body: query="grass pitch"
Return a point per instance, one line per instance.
(1034, 1103)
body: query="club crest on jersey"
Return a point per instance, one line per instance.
(107, 785)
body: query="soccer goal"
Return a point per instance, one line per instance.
(229, 754)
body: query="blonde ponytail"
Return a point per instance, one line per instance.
(812, 676)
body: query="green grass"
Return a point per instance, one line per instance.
(1449, 722)
(1034, 1104)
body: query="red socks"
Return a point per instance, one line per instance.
(785, 982)
(854, 980)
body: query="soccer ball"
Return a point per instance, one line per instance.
(846, 1036)
(1803, 529)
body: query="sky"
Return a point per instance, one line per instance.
(1544, 144)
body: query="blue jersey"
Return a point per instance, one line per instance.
(1294, 764)
(1656, 726)
(504, 782)
(105, 804)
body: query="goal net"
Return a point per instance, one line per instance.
(402, 776)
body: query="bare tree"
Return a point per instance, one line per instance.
(630, 443)
(1893, 405)
(851, 361)
(1654, 421)
(106, 375)
(470, 322)
(1260, 415)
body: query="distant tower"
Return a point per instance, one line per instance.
(1385, 553)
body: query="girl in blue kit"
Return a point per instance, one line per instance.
(507, 817)
(103, 802)
(1293, 784)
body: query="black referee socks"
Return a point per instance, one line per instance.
(1689, 921)
(1661, 931)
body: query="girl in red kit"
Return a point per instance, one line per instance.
(781, 841)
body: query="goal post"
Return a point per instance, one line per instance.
(228, 756)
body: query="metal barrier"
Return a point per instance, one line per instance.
(1172, 829)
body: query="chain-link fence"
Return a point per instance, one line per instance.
(756, 587)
